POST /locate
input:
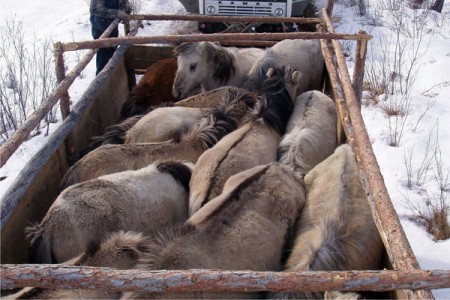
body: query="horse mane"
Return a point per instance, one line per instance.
(222, 60)
(258, 73)
(275, 103)
(179, 171)
(211, 128)
(185, 48)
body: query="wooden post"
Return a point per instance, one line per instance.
(64, 101)
(358, 71)
(218, 37)
(188, 281)
(22, 133)
(391, 231)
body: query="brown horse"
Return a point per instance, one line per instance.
(247, 227)
(154, 88)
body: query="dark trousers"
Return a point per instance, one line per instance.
(103, 54)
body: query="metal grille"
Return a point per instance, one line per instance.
(244, 10)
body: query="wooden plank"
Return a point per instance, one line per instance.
(174, 281)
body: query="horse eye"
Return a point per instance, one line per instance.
(192, 67)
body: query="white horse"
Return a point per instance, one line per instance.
(304, 56)
(211, 66)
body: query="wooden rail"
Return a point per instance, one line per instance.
(174, 281)
(218, 37)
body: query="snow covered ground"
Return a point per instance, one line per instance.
(428, 121)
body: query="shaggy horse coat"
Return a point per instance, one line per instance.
(210, 66)
(310, 133)
(254, 143)
(336, 230)
(142, 201)
(120, 251)
(165, 123)
(154, 88)
(304, 56)
(109, 159)
(245, 228)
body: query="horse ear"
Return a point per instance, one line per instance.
(202, 46)
(296, 75)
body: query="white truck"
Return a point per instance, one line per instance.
(272, 8)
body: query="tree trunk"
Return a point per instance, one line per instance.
(70, 277)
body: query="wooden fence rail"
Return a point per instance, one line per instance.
(174, 281)
(218, 37)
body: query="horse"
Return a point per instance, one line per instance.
(116, 134)
(121, 250)
(109, 159)
(142, 200)
(254, 143)
(164, 123)
(304, 56)
(335, 230)
(154, 88)
(246, 227)
(210, 66)
(310, 132)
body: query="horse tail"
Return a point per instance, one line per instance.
(40, 245)
(221, 121)
(153, 259)
(292, 145)
(114, 134)
(181, 172)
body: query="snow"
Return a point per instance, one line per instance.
(427, 123)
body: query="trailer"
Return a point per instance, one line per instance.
(37, 186)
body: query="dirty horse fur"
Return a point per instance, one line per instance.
(336, 231)
(254, 143)
(109, 159)
(164, 123)
(121, 250)
(142, 201)
(310, 133)
(244, 228)
(154, 88)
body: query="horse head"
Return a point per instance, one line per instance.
(192, 68)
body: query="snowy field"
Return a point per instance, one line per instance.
(425, 130)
